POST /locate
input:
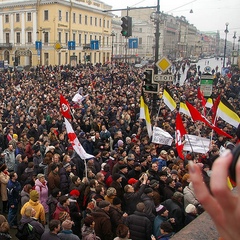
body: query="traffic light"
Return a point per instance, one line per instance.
(126, 26)
(149, 85)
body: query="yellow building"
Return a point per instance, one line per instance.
(52, 24)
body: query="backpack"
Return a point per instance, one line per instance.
(27, 232)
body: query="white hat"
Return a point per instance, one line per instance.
(190, 208)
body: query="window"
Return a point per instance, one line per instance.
(96, 22)
(6, 18)
(100, 38)
(74, 17)
(46, 37)
(100, 22)
(7, 38)
(29, 17)
(29, 37)
(140, 40)
(107, 40)
(85, 20)
(90, 20)
(17, 17)
(45, 15)
(74, 36)
(95, 37)
(60, 15)
(85, 39)
(18, 37)
(80, 39)
(90, 38)
(66, 16)
(59, 36)
(104, 23)
(80, 18)
(108, 24)
(66, 37)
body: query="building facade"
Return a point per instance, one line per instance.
(54, 24)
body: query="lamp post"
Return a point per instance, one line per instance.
(112, 35)
(225, 44)
(234, 38)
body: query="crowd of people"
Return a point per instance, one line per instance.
(131, 188)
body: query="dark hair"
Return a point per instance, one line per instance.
(88, 221)
(122, 231)
(74, 179)
(166, 227)
(54, 224)
(63, 199)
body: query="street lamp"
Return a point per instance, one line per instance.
(225, 44)
(112, 35)
(234, 38)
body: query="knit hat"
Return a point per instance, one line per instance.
(190, 208)
(132, 181)
(153, 183)
(34, 195)
(178, 185)
(53, 166)
(174, 172)
(120, 143)
(74, 192)
(103, 204)
(148, 190)
(63, 216)
(160, 209)
(67, 224)
(116, 176)
(117, 201)
(67, 165)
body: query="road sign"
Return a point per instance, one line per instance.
(133, 43)
(71, 45)
(163, 64)
(57, 46)
(38, 52)
(38, 45)
(206, 84)
(94, 45)
(207, 69)
(163, 78)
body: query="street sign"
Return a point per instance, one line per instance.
(206, 85)
(207, 69)
(163, 78)
(133, 43)
(94, 45)
(71, 45)
(57, 46)
(38, 52)
(163, 64)
(38, 45)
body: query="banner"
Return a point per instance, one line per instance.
(161, 137)
(196, 144)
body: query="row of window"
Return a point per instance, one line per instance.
(92, 21)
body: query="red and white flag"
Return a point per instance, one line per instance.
(179, 133)
(75, 142)
(65, 107)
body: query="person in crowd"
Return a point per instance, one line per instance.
(13, 189)
(189, 195)
(53, 201)
(25, 193)
(66, 233)
(62, 206)
(4, 229)
(191, 213)
(65, 179)
(4, 178)
(54, 229)
(110, 194)
(9, 158)
(88, 232)
(123, 232)
(53, 178)
(166, 230)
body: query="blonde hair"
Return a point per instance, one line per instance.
(28, 212)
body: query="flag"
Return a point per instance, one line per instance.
(179, 133)
(184, 109)
(201, 97)
(197, 116)
(227, 113)
(168, 100)
(75, 142)
(78, 98)
(144, 114)
(65, 107)
(209, 103)
(214, 108)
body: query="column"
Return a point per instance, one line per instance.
(23, 32)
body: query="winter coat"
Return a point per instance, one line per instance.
(52, 203)
(132, 199)
(27, 177)
(88, 233)
(175, 211)
(42, 189)
(139, 225)
(168, 192)
(5, 236)
(53, 181)
(13, 189)
(76, 216)
(49, 235)
(166, 236)
(38, 227)
(4, 178)
(103, 226)
(9, 159)
(65, 181)
(24, 197)
(38, 207)
(67, 235)
(116, 216)
(150, 208)
(156, 225)
(58, 210)
(189, 196)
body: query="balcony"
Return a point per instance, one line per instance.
(5, 46)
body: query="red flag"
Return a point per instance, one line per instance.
(197, 116)
(201, 97)
(180, 131)
(214, 107)
(65, 107)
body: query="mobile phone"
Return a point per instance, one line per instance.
(236, 157)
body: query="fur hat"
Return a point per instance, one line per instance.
(190, 208)
(34, 195)
(153, 183)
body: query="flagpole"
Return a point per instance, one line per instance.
(189, 143)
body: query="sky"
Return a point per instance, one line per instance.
(208, 15)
